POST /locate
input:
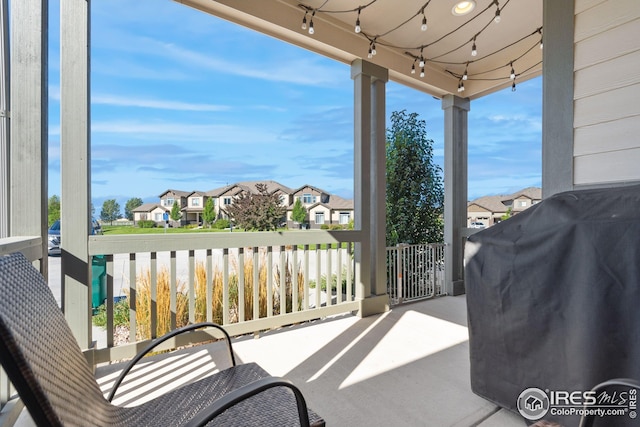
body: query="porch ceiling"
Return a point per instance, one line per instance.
(446, 44)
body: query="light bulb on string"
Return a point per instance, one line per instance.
(422, 72)
(304, 21)
(358, 29)
(512, 76)
(497, 18)
(413, 67)
(370, 54)
(474, 49)
(311, 29)
(513, 86)
(541, 42)
(465, 76)
(423, 27)
(373, 48)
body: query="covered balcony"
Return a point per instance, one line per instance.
(350, 372)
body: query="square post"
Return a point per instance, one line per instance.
(369, 184)
(27, 150)
(455, 190)
(75, 166)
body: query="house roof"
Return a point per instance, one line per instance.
(179, 193)
(272, 186)
(499, 203)
(148, 207)
(319, 190)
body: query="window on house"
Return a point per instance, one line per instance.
(158, 217)
(319, 217)
(307, 198)
(283, 199)
(523, 203)
(227, 200)
(169, 202)
(195, 201)
(345, 217)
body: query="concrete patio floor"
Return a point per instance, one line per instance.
(406, 367)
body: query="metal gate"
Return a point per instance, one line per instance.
(415, 272)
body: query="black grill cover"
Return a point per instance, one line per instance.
(553, 297)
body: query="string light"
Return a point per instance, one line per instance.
(513, 86)
(420, 61)
(423, 27)
(311, 29)
(540, 31)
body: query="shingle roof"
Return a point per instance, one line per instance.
(148, 207)
(176, 192)
(497, 203)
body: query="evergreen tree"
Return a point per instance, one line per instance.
(209, 213)
(415, 191)
(130, 206)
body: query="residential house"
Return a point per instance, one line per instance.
(322, 207)
(490, 210)
(150, 211)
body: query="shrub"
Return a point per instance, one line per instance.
(120, 314)
(146, 223)
(324, 227)
(335, 227)
(221, 224)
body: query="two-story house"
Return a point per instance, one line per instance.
(489, 210)
(322, 207)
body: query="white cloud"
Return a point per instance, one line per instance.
(154, 103)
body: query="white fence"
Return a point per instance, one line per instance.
(415, 272)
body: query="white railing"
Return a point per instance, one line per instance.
(415, 272)
(300, 276)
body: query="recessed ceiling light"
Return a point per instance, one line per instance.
(463, 7)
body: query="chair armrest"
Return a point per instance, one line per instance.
(245, 392)
(587, 420)
(154, 343)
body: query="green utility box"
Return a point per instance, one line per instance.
(98, 280)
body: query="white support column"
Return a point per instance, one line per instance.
(76, 166)
(28, 156)
(369, 184)
(455, 190)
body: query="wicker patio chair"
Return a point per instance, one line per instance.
(52, 377)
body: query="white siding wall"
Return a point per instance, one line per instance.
(606, 92)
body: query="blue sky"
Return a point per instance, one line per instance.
(187, 101)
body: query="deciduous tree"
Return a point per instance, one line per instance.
(130, 206)
(209, 212)
(260, 212)
(415, 191)
(299, 213)
(175, 213)
(54, 209)
(110, 211)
